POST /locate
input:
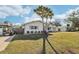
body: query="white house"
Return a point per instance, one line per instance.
(52, 28)
(33, 27)
(62, 28)
(37, 27)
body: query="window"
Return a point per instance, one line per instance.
(59, 29)
(49, 28)
(31, 31)
(27, 31)
(38, 31)
(33, 27)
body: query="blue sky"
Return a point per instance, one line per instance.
(22, 13)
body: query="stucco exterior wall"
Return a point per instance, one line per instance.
(40, 28)
(38, 24)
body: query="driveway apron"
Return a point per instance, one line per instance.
(4, 41)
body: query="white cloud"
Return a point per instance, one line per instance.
(70, 11)
(60, 16)
(17, 24)
(35, 17)
(3, 15)
(27, 10)
(30, 19)
(17, 10)
(65, 14)
(14, 10)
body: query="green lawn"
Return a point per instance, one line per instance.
(63, 42)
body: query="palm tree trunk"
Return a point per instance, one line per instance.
(44, 48)
(46, 25)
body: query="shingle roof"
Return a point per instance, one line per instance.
(33, 22)
(38, 21)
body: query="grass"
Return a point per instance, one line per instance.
(63, 42)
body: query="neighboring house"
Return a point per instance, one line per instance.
(62, 28)
(18, 30)
(52, 28)
(5, 27)
(37, 27)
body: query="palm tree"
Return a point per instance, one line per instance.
(47, 16)
(50, 15)
(44, 12)
(41, 12)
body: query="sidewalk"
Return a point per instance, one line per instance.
(4, 41)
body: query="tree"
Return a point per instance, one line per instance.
(48, 15)
(51, 14)
(43, 12)
(6, 22)
(57, 23)
(74, 18)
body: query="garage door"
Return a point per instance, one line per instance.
(1, 31)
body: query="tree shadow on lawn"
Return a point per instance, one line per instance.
(28, 37)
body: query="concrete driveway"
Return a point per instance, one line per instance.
(4, 41)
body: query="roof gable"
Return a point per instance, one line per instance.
(32, 22)
(40, 22)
